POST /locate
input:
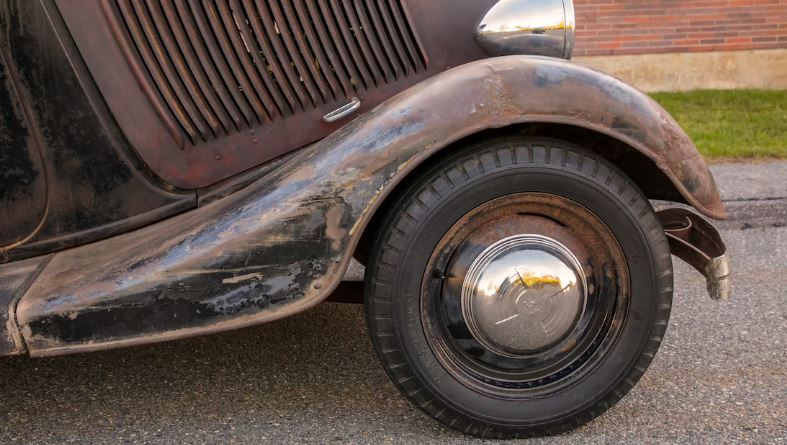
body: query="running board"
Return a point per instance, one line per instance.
(694, 240)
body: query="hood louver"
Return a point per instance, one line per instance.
(222, 66)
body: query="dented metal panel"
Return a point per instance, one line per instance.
(282, 244)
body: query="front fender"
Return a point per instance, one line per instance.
(282, 244)
(510, 90)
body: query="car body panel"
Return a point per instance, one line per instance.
(22, 179)
(68, 175)
(151, 122)
(281, 245)
(15, 278)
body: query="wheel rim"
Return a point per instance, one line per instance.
(524, 295)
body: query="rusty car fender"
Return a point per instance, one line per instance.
(282, 244)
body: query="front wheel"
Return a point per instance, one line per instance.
(520, 286)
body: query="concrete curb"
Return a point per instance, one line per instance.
(755, 194)
(765, 68)
(751, 181)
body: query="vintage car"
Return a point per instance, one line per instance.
(172, 168)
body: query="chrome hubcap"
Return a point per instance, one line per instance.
(522, 294)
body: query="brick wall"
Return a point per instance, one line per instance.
(611, 27)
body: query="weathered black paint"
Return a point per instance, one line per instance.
(58, 139)
(281, 245)
(22, 180)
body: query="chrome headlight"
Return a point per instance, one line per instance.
(538, 27)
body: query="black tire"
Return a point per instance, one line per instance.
(397, 292)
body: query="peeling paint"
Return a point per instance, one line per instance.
(250, 276)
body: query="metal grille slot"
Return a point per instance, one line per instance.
(225, 65)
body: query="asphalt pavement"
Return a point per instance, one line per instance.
(719, 377)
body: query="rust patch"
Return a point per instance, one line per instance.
(334, 229)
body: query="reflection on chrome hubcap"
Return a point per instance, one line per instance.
(523, 293)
